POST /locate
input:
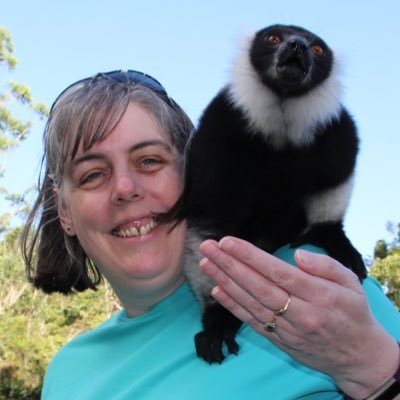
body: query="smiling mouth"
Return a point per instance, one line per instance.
(135, 231)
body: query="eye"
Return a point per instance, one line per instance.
(91, 179)
(274, 39)
(150, 163)
(317, 50)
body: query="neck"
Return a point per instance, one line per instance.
(138, 300)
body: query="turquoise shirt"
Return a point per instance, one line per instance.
(152, 357)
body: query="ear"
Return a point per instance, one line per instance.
(63, 213)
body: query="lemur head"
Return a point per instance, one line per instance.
(290, 60)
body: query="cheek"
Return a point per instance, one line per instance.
(87, 212)
(170, 188)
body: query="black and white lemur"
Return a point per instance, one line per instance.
(272, 162)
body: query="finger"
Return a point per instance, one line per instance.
(240, 259)
(291, 332)
(290, 279)
(261, 305)
(285, 334)
(326, 267)
(251, 289)
(237, 309)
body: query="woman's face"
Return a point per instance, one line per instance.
(109, 195)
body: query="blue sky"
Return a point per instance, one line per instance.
(189, 45)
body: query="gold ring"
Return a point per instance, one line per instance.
(271, 326)
(282, 310)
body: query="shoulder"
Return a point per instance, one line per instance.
(73, 354)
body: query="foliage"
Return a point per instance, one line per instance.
(12, 129)
(13, 389)
(14, 99)
(33, 325)
(386, 265)
(19, 207)
(7, 49)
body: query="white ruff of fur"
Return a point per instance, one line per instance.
(200, 283)
(329, 205)
(282, 122)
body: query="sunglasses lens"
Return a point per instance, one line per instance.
(121, 76)
(136, 77)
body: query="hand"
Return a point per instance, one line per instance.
(328, 325)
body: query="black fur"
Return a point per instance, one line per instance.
(259, 182)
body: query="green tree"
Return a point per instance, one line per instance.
(34, 325)
(13, 130)
(386, 265)
(19, 206)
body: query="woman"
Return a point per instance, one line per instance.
(113, 160)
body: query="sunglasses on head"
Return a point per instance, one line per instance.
(121, 76)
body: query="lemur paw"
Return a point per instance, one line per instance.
(209, 346)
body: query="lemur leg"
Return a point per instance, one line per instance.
(325, 212)
(219, 325)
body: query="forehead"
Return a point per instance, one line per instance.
(137, 124)
(132, 119)
(290, 30)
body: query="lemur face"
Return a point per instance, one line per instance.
(290, 60)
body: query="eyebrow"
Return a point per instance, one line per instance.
(98, 156)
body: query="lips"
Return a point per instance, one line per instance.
(135, 227)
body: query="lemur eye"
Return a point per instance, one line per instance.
(317, 50)
(274, 39)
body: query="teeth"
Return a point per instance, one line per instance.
(133, 232)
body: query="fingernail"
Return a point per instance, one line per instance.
(207, 247)
(305, 257)
(216, 292)
(203, 261)
(226, 243)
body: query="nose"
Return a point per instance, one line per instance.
(126, 188)
(298, 45)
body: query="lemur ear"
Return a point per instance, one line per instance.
(64, 214)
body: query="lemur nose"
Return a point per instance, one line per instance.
(298, 45)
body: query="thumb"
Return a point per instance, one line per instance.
(326, 267)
